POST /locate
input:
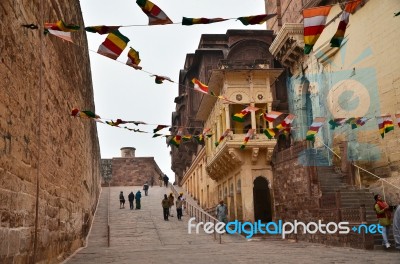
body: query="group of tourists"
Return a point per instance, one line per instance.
(131, 197)
(167, 204)
(384, 215)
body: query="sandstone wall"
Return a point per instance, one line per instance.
(48, 160)
(134, 171)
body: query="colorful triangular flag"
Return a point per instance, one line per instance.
(253, 20)
(314, 23)
(199, 86)
(249, 134)
(155, 14)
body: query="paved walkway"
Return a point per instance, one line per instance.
(142, 236)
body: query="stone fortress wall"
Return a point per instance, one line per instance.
(129, 170)
(49, 160)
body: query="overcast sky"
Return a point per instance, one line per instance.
(123, 92)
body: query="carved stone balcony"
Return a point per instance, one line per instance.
(288, 46)
(228, 155)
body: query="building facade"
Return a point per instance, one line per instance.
(129, 170)
(335, 177)
(237, 67)
(358, 79)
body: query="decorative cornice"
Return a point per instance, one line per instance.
(288, 44)
(287, 30)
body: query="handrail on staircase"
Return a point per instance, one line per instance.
(198, 213)
(360, 168)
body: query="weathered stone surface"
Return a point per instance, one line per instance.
(132, 171)
(44, 152)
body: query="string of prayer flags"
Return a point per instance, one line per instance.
(381, 127)
(186, 138)
(222, 97)
(224, 135)
(239, 117)
(60, 29)
(397, 119)
(120, 121)
(314, 23)
(60, 25)
(113, 46)
(155, 14)
(271, 116)
(350, 7)
(186, 21)
(388, 123)
(249, 134)
(253, 20)
(385, 124)
(207, 132)
(112, 123)
(160, 79)
(158, 128)
(101, 29)
(176, 140)
(61, 34)
(286, 122)
(286, 131)
(358, 122)
(337, 122)
(84, 113)
(199, 138)
(269, 132)
(314, 128)
(136, 130)
(133, 59)
(199, 86)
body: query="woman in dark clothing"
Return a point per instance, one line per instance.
(137, 197)
(131, 197)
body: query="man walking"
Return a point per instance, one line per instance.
(166, 179)
(145, 188)
(178, 205)
(171, 203)
(222, 212)
(165, 206)
(384, 216)
(131, 197)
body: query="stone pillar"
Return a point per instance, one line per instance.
(128, 152)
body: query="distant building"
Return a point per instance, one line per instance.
(129, 170)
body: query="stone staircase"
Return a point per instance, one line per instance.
(332, 185)
(335, 190)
